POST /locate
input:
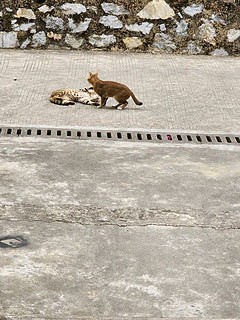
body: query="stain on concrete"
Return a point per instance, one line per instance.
(13, 242)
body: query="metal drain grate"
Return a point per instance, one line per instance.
(133, 135)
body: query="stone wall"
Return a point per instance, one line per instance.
(169, 26)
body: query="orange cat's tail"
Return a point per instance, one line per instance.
(135, 99)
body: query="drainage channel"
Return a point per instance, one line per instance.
(130, 135)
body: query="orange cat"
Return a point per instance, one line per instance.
(107, 89)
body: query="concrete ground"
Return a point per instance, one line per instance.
(119, 232)
(178, 92)
(116, 230)
(87, 181)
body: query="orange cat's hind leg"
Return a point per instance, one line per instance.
(105, 101)
(122, 106)
(118, 105)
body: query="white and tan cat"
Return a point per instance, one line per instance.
(70, 96)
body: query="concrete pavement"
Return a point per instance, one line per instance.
(118, 182)
(178, 92)
(116, 230)
(69, 271)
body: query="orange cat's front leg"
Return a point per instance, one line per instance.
(103, 102)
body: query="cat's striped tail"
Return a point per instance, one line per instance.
(139, 103)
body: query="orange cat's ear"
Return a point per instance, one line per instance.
(90, 73)
(97, 74)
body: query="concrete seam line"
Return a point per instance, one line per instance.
(101, 224)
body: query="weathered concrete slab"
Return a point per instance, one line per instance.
(69, 271)
(177, 256)
(118, 182)
(178, 92)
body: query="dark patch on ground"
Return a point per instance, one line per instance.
(13, 242)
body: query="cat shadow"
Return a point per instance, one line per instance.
(128, 108)
(111, 105)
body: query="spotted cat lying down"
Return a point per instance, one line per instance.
(70, 96)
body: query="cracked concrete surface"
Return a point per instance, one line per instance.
(178, 180)
(116, 232)
(120, 230)
(89, 215)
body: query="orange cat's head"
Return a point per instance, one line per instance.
(92, 77)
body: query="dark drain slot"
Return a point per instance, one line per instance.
(228, 140)
(209, 139)
(79, 134)
(29, 132)
(189, 138)
(49, 132)
(59, 133)
(39, 132)
(149, 136)
(109, 135)
(199, 139)
(69, 133)
(119, 135)
(218, 139)
(89, 134)
(19, 131)
(9, 131)
(139, 136)
(129, 136)
(237, 139)
(179, 137)
(99, 134)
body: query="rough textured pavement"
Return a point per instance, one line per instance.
(119, 232)
(86, 181)
(110, 230)
(69, 271)
(178, 92)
